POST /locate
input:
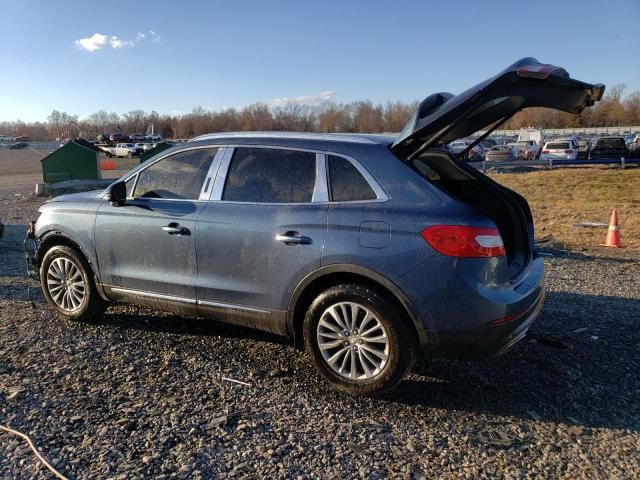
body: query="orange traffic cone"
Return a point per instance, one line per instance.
(613, 235)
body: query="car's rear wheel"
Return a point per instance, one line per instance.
(68, 285)
(358, 340)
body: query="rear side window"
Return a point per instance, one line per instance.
(179, 176)
(270, 175)
(346, 183)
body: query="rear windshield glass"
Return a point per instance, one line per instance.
(610, 142)
(557, 146)
(500, 148)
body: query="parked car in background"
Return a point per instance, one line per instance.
(21, 138)
(634, 146)
(487, 143)
(502, 153)
(103, 138)
(528, 134)
(18, 146)
(609, 147)
(138, 138)
(119, 138)
(154, 137)
(573, 141)
(528, 149)
(122, 150)
(365, 249)
(476, 153)
(561, 149)
(583, 148)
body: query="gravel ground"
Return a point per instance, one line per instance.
(141, 394)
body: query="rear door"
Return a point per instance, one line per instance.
(262, 232)
(443, 117)
(148, 244)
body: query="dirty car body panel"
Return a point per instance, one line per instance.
(239, 250)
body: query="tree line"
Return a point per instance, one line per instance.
(615, 109)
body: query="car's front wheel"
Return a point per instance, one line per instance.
(68, 285)
(358, 340)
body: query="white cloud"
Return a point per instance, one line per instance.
(303, 99)
(155, 38)
(117, 43)
(98, 41)
(92, 43)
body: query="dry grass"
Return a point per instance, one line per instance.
(560, 198)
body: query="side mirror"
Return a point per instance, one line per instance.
(117, 194)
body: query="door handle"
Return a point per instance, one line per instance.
(293, 238)
(175, 229)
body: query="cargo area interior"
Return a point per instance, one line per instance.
(504, 207)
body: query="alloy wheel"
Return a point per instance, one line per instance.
(66, 284)
(353, 341)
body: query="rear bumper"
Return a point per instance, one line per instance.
(463, 315)
(485, 341)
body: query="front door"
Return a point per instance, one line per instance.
(148, 245)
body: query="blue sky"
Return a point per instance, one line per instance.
(219, 54)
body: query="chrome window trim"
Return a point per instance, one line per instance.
(211, 174)
(381, 195)
(320, 190)
(140, 170)
(135, 183)
(321, 157)
(218, 184)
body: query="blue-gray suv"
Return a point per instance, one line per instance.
(365, 249)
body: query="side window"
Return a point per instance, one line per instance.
(270, 175)
(346, 183)
(179, 176)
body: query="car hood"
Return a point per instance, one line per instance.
(443, 117)
(80, 197)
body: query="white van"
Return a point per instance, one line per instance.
(534, 134)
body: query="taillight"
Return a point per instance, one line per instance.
(462, 241)
(545, 151)
(568, 151)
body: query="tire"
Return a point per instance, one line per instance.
(83, 302)
(385, 319)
